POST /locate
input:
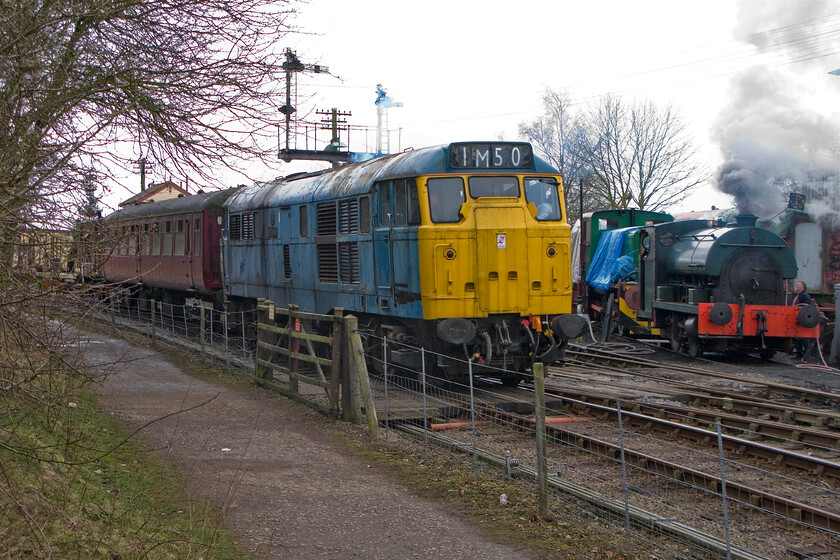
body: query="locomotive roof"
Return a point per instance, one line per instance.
(355, 179)
(183, 205)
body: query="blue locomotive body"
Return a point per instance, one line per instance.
(316, 241)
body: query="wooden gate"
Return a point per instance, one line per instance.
(315, 359)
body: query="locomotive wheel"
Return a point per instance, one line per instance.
(511, 380)
(766, 354)
(695, 347)
(676, 337)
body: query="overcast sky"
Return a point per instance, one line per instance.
(475, 69)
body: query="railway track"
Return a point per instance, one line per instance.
(635, 365)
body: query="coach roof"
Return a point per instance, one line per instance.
(183, 205)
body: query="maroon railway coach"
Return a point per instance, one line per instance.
(172, 245)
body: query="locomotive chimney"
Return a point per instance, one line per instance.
(745, 220)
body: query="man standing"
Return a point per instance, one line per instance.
(802, 345)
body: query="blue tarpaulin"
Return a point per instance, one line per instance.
(608, 263)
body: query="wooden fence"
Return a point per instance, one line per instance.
(315, 359)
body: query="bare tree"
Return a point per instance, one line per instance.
(639, 155)
(558, 136)
(191, 84)
(84, 88)
(628, 155)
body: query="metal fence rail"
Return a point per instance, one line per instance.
(320, 359)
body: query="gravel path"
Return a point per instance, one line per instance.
(288, 489)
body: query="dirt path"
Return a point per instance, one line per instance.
(288, 489)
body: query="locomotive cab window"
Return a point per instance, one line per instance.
(482, 186)
(543, 193)
(446, 196)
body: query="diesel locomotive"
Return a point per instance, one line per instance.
(461, 249)
(703, 285)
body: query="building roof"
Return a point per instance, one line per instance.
(155, 193)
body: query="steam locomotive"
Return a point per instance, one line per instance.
(703, 285)
(461, 249)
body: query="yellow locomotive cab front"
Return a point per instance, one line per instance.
(495, 256)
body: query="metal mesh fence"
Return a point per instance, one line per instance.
(701, 500)
(597, 466)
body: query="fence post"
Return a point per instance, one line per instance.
(294, 344)
(539, 418)
(225, 326)
(624, 489)
(335, 367)
(262, 318)
(201, 333)
(152, 303)
(357, 362)
(472, 420)
(723, 492)
(835, 340)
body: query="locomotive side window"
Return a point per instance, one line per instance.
(384, 203)
(400, 203)
(304, 226)
(543, 193)
(446, 195)
(406, 202)
(364, 214)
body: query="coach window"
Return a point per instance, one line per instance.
(166, 247)
(446, 195)
(543, 193)
(180, 239)
(156, 235)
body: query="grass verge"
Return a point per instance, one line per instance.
(73, 484)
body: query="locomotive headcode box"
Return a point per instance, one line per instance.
(490, 155)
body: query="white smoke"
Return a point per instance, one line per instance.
(772, 140)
